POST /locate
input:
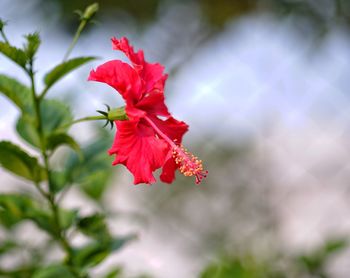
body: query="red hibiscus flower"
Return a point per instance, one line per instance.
(151, 138)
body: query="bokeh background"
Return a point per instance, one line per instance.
(263, 85)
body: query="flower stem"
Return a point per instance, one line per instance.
(75, 39)
(117, 114)
(86, 119)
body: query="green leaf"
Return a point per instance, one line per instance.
(14, 208)
(55, 117)
(118, 243)
(7, 245)
(57, 139)
(45, 221)
(95, 183)
(335, 245)
(94, 173)
(62, 69)
(54, 271)
(90, 255)
(18, 93)
(26, 128)
(114, 273)
(17, 161)
(94, 226)
(17, 55)
(32, 45)
(240, 267)
(67, 217)
(317, 259)
(58, 181)
(17, 208)
(95, 252)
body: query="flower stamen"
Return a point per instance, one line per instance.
(189, 165)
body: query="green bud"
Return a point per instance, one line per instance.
(32, 45)
(90, 11)
(2, 26)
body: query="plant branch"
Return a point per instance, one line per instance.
(75, 39)
(44, 92)
(85, 17)
(50, 196)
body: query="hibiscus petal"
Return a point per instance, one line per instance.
(121, 76)
(124, 46)
(133, 113)
(153, 103)
(152, 74)
(173, 128)
(137, 147)
(168, 171)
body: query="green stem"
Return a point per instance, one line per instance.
(85, 119)
(90, 118)
(75, 39)
(50, 196)
(42, 191)
(74, 42)
(42, 95)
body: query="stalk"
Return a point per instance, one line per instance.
(85, 17)
(50, 195)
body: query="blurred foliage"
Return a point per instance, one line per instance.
(309, 265)
(318, 14)
(315, 262)
(219, 12)
(91, 173)
(246, 267)
(43, 126)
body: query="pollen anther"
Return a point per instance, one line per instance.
(189, 165)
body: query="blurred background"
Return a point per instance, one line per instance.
(264, 87)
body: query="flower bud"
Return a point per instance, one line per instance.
(2, 24)
(90, 11)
